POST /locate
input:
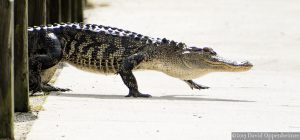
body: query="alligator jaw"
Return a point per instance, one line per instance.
(221, 64)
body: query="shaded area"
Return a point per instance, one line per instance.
(23, 123)
(167, 97)
(24, 117)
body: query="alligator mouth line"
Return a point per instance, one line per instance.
(227, 65)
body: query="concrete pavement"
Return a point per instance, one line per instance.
(264, 99)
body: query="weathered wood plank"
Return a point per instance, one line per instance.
(77, 11)
(66, 10)
(80, 10)
(73, 11)
(6, 70)
(54, 11)
(37, 12)
(21, 56)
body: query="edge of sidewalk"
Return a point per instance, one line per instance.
(24, 121)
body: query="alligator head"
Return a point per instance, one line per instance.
(200, 61)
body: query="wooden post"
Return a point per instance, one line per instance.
(21, 57)
(77, 11)
(6, 70)
(74, 12)
(36, 12)
(66, 10)
(54, 11)
(80, 10)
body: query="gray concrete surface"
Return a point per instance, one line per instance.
(265, 32)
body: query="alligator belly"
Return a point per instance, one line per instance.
(103, 67)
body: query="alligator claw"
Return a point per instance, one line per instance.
(137, 94)
(49, 88)
(193, 85)
(197, 86)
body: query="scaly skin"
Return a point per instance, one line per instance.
(110, 50)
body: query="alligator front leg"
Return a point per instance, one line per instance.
(193, 85)
(128, 77)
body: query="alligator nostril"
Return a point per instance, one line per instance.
(213, 53)
(247, 63)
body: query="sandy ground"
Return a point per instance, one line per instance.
(265, 32)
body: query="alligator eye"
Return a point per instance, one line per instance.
(209, 50)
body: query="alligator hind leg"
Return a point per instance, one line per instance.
(35, 81)
(50, 52)
(193, 85)
(45, 53)
(128, 77)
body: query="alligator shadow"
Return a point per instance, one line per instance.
(167, 97)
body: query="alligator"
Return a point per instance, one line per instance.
(110, 50)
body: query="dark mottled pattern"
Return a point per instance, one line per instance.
(105, 49)
(99, 47)
(94, 48)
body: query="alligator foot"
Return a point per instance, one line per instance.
(137, 94)
(127, 76)
(193, 85)
(49, 88)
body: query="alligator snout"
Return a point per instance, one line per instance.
(245, 64)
